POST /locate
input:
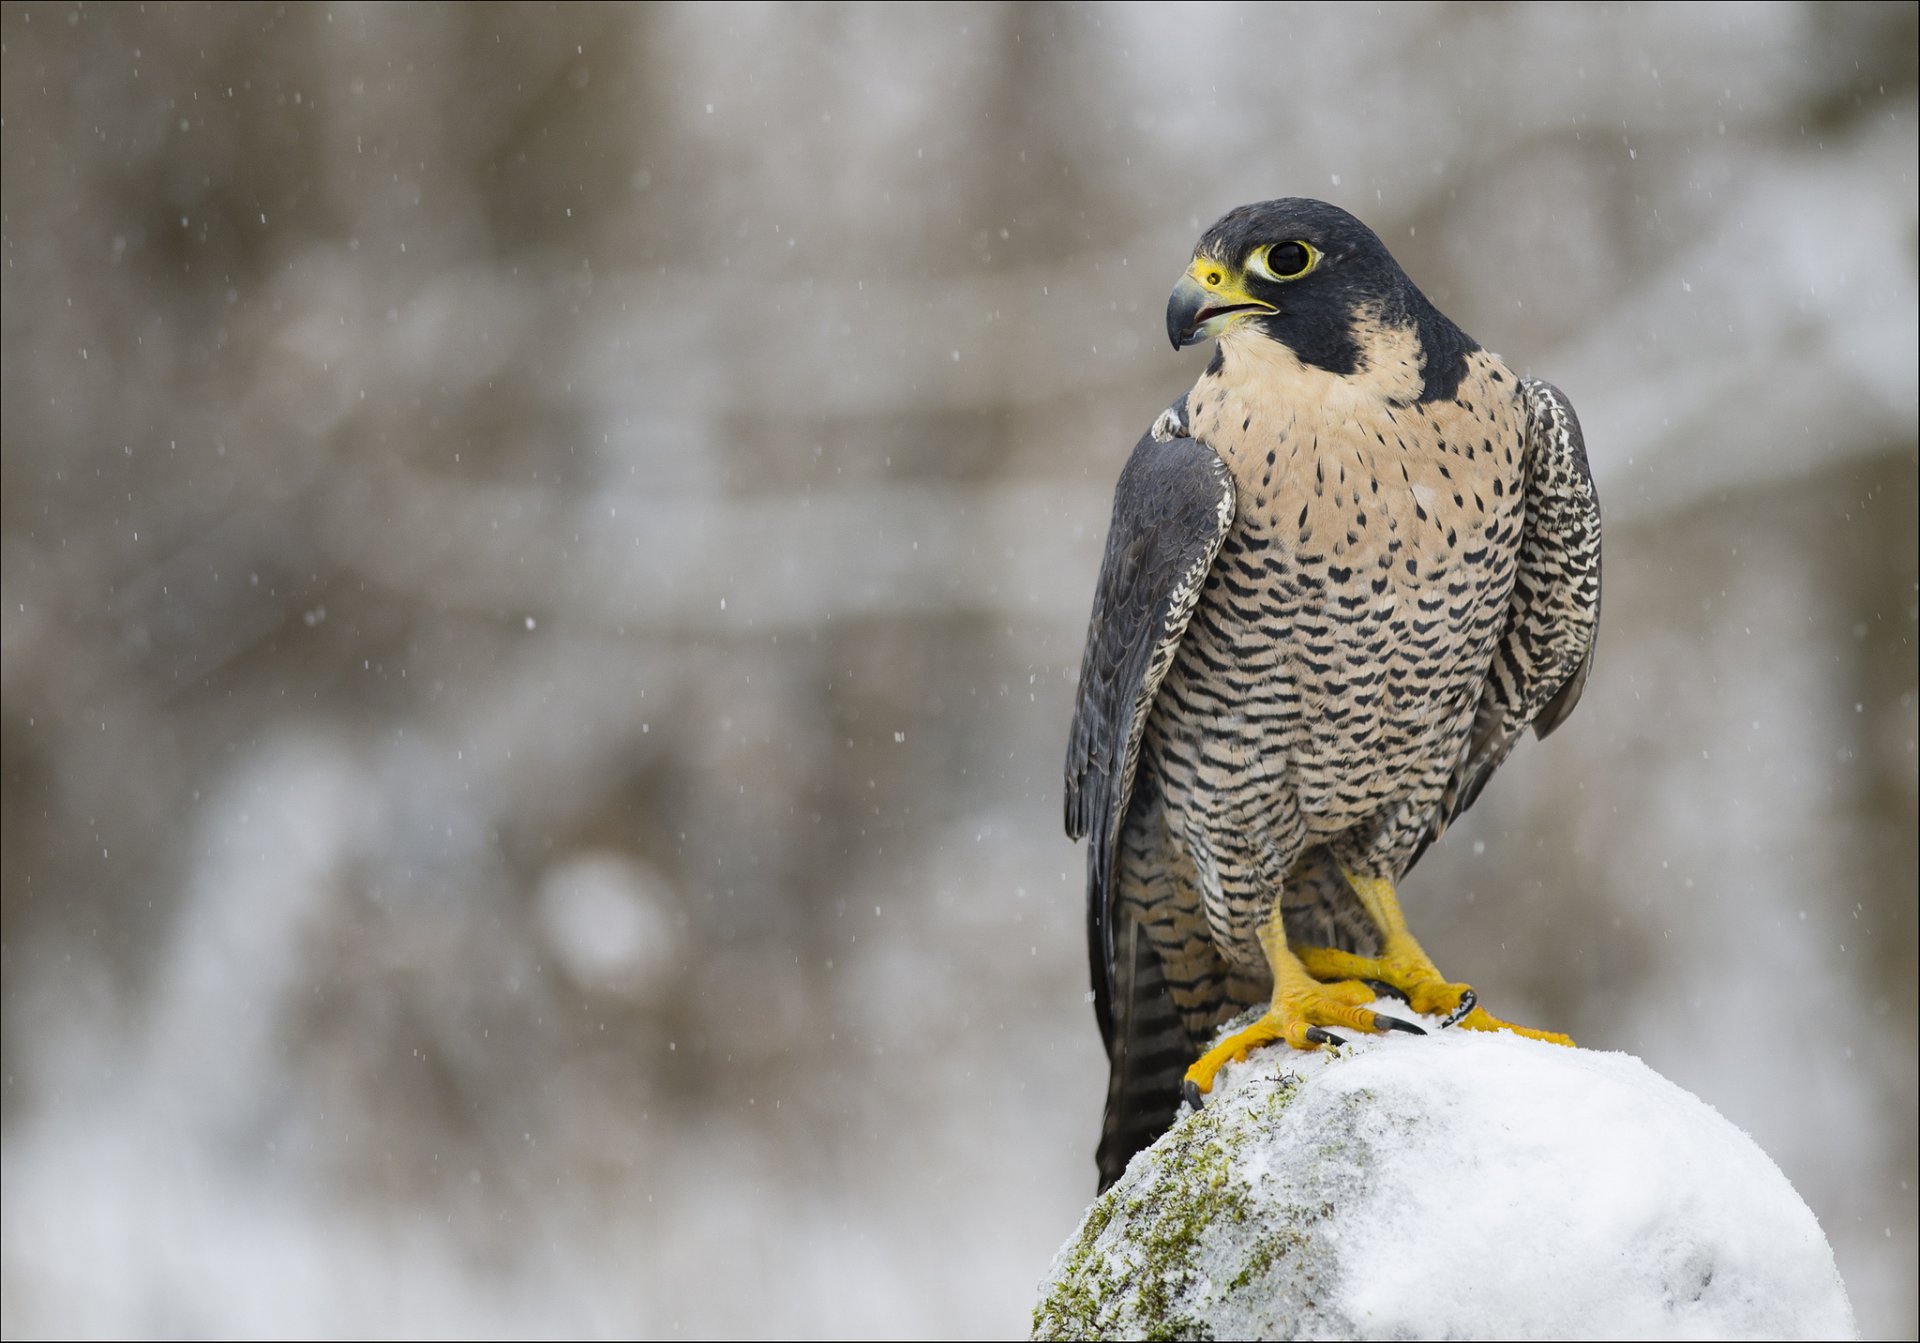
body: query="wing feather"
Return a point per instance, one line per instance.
(1171, 510)
(1546, 650)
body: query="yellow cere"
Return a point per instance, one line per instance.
(1220, 280)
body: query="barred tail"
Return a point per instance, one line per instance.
(1149, 1051)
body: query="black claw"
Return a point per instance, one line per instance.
(1396, 1024)
(1192, 1090)
(1321, 1037)
(1382, 989)
(1467, 1003)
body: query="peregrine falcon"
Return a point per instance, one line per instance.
(1345, 573)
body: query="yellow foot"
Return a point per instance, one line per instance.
(1414, 976)
(1479, 1019)
(1299, 1017)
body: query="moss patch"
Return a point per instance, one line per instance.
(1135, 1269)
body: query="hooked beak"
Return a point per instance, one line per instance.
(1207, 300)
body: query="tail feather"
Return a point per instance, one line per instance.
(1150, 1052)
(1151, 1042)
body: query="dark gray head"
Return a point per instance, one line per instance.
(1312, 277)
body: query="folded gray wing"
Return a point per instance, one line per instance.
(1541, 664)
(1171, 510)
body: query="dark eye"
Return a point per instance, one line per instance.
(1287, 260)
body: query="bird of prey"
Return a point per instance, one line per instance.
(1345, 573)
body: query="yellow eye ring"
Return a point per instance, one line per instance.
(1285, 260)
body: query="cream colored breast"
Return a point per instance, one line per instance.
(1354, 466)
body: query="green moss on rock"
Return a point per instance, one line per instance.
(1144, 1263)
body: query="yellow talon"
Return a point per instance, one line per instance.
(1405, 968)
(1300, 1011)
(1404, 965)
(1315, 988)
(1481, 1020)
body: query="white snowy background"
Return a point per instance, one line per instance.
(545, 552)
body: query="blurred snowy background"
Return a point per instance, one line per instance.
(545, 552)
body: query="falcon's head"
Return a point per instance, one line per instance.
(1311, 277)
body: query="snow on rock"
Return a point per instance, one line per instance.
(1460, 1185)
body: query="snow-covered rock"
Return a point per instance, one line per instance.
(1460, 1185)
